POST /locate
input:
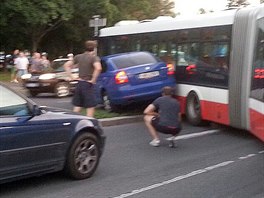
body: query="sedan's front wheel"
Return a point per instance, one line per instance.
(62, 89)
(83, 156)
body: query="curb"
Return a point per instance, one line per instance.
(120, 120)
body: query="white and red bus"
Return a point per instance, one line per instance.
(218, 59)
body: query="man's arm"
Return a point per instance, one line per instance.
(67, 66)
(97, 70)
(150, 110)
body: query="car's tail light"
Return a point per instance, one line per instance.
(170, 68)
(259, 73)
(191, 69)
(121, 77)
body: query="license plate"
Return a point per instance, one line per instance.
(148, 75)
(32, 85)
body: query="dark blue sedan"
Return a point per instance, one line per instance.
(132, 77)
(36, 140)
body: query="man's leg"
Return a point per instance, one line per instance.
(77, 109)
(151, 129)
(90, 112)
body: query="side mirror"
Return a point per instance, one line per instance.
(36, 110)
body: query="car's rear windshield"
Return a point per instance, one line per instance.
(131, 60)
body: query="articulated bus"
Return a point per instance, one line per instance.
(218, 60)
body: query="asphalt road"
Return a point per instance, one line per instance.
(224, 164)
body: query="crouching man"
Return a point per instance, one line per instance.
(163, 115)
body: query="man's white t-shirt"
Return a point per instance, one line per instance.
(21, 63)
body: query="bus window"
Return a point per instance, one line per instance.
(257, 89)
(221, 56)
(187, 54)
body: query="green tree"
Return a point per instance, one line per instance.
(142, 9)
(61, 26)
(237, 3)
(35, 18)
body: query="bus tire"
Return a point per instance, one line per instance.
(193, 109)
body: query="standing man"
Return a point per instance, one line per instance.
(163, 115)
(89, 69)
(21, 64)
(13, 68)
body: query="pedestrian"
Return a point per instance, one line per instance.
(45, 61)
(13, 67)
(89, 65)
(21, 64)
(163, 115)
(36, 63)
(70, 56)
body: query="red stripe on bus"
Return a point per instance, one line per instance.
(257, 124)
(212, 111)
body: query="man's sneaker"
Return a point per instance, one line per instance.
(155, 142)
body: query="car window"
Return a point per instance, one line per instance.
(130, 60)
(12, 104)
(58, 65)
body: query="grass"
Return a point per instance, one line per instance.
(5, 76)
(127, 111)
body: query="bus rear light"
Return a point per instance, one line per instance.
(121, 77)
(191, 69)
(170, 68)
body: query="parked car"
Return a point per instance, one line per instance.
(52, 80)
(2, 60)
(36, 140)
(132, 77)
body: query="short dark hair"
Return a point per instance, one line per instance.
(167, 91)
(90, 45)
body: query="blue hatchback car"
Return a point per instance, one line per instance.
(132, 77)
(35, 140)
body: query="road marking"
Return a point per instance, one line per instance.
(175, 179)
(247, 156)
(193, 135)
(188, 175)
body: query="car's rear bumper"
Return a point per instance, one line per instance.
(127, 94)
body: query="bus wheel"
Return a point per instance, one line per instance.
(193, 109)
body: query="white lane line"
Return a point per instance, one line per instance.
(247, 156)
(191, 174)
(193, 135)
(261, 152)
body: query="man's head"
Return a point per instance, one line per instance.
(90, 45)
(167, 91)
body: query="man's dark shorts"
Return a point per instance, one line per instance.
(84, 95)
(164, 129)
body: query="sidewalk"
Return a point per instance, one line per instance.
(105, 121)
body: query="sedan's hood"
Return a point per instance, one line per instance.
(64, 113)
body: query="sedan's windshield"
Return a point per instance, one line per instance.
(57, 66)
(12, 104)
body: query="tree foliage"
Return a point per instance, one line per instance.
(237, 3)
(62, 25)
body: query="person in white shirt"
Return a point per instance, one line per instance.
(21, 64)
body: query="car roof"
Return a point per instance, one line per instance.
(125, 54)
(61, 59)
